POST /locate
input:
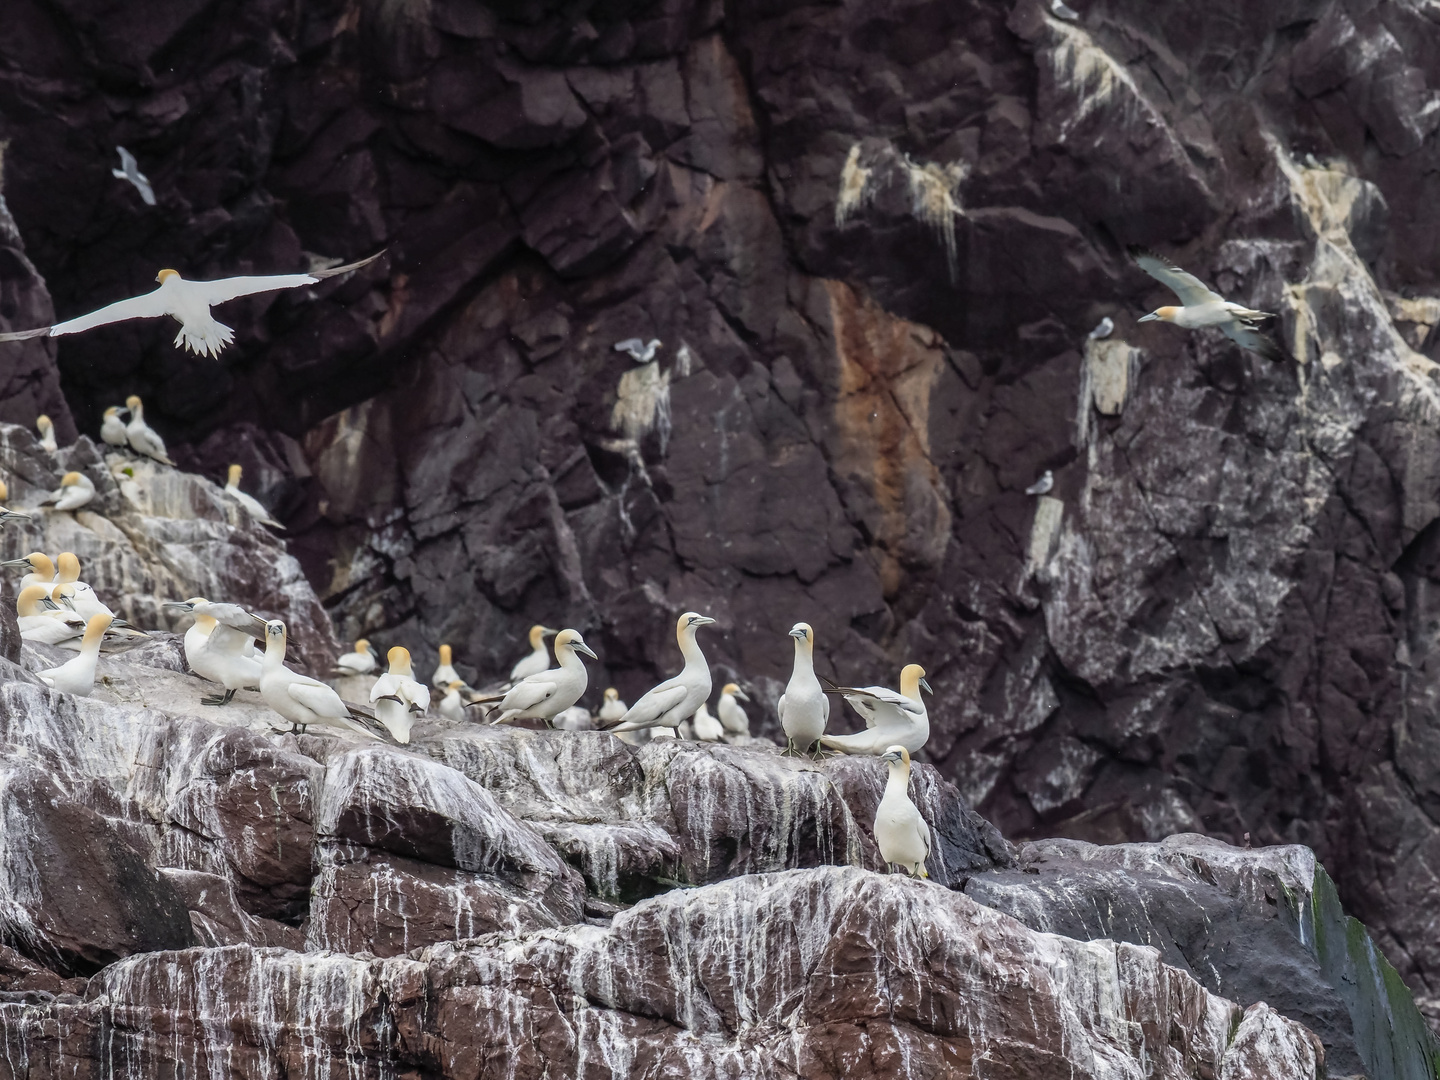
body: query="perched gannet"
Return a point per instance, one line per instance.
(732, 716)
(900, 832)
(188, 303)
(41, 570)
(298, 698)
(85, 600)
(1203, 307)
(248, 503)
(77, 676)
(705, 727)
(611, 708)
(642, 352)
(76, 490)
(142, 437)
(1043, 485)
(130, 170)
(41, 620)
(398, 696)
(1062, 10)
(452, 705)
(46, 427)
(546, 694)
(674, 700)
(222, 648)
(890, 718)
(1103, 329)
(360, 662)
(445, 674)
(112, 428)
(804, 709)
(538, 660)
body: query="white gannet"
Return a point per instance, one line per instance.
(248, 503)
(732, 716)
(189, 303)
(546, 694)
(77, 676)
(642, 352)
(112, 428)
(1203, 307)
(76, 490)
(538, 660)
(804, 709)
(130, 170)
(42, 620)
(1103, 329)
(1062, 10)
(222, 648)
(611, 708)
(900, 832)
(46, 427)
(6, 515)
(85, 600)
(674, 700)
(575, 718)
(40, 570)
(360, 662)
(398, 696)
(705, 727)
(1043, 485)
(142, 437)
(890, 718)
(445, 673)
(304, 701)
(452, 705)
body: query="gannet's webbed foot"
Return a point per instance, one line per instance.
(819, 753)
(218, 699)
(790, 749)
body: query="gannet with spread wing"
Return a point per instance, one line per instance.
(890, 718)
(1204, 308)
(223, 647)
(398, 696)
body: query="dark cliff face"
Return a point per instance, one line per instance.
(873, 238)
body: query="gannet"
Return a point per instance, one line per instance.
(46, 427)
(705, 727)
(1203, 307)
(41, 620)
(546, 694)
(445, 674)
(85, 602)
(360, 662)
(890, 718)
(112, 428)
(900, 832)
(538, 660)
(142, 437)
(76, 489)
(732, 716)
(1103, 329)
(6, 515)
(452, 705)
(130, 170)
(804, 709)
(41, 570)
(1062, 10)
(223, 648)
(189, 303)
(1043, 485)
(298, 698)
(674, 700)
(248, 503)
(611, 708)
(398, 696)
(77, 676)
(641, 352)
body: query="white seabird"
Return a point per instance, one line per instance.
(546, 694)
(40, 570)
(674, 700)
(46, 427)
(142, 437)
(112, 428)
(900, 832)
(804, 709)
(6, 515)
(611, 710)
(890, 718)
(76, 490)
(304, 701)
(248, 503)
(86, 602)
(398, 696)
(1103, 329)
(42, 620)
(360, 662)
(1043, 485)
(77, 676)
(130, 170)
(1203, 307)
(223, 647)
(705, 727)
(189, 303)
(642, 352)
(452, 705)
(1062, 10)
(445, 674)
(539, 658)
(732, 716)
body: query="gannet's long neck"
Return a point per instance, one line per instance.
(566, 658)
(910, 684)
(274, 652)
(206, 623)
(690, 649)
(90, 643)
(899, 779)
(805, 656)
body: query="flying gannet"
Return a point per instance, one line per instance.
(1203, 307)
(642, 352)
(40, 570)
(76, 490)
(223, 648)
(398, 696)
(142, 437)
(538, 660)
(46, 427)
(900, 832)
(890, 718)
(545, 694)
(1043, 485)
(452, 705)
(360, 662)
(304, 701)
(77, 676)
(42, 620)
(674, 700)
(130, 170)
(248, 503)
(705, 727)
(445, 673)
(804, 709)
(732, 716)
(189, 303)
(112, 428)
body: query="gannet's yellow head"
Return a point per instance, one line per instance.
(611, 694)
(113, 410)
(444, 655)
(4, 491)
(70, 479)
(571, 639)
(133, 403)
(95, 629)
(733, 689)
(454, 687)
(1162, 314)
(689, 623)
(165, 275)
(37, 562)
(912, 680)
(69, 566)
(399, 658)
(62, 592)
(537, 634)
(234, 480)
(803, 636)
(363, 647)
(44, 423)
(29, 600)
(897, 755)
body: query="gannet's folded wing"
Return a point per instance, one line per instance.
(527, 695)
(318, 697)
(1190, 289)
(217, 292)
(656, 703)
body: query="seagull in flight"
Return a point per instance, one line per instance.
(642, 352)
(130, 170)
(189, 303)
(1203, 307)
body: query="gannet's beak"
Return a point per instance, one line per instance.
(183, 605)
(891, 757)
(798, 634)
(580, 646)
(1152, 317)
(926, 687)
(16, 564)
(6, 515)
(545, 631)
(46, 602)
(741, 694)
(701, 620)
